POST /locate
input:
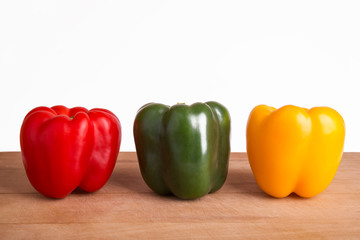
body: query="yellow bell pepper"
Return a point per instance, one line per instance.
(293, 149)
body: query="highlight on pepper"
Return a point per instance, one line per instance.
(63, 148)
(294, 150)
(183, 150)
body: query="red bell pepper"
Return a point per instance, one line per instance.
(63, 148)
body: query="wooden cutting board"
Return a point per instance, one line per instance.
(126, 208)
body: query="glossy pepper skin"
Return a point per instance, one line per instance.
(63, 148)
(292, 149)
(183, 150)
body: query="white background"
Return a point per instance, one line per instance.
(120, 55)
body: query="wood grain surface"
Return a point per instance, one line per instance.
(125, 208)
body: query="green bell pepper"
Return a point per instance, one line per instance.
(183, 150)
